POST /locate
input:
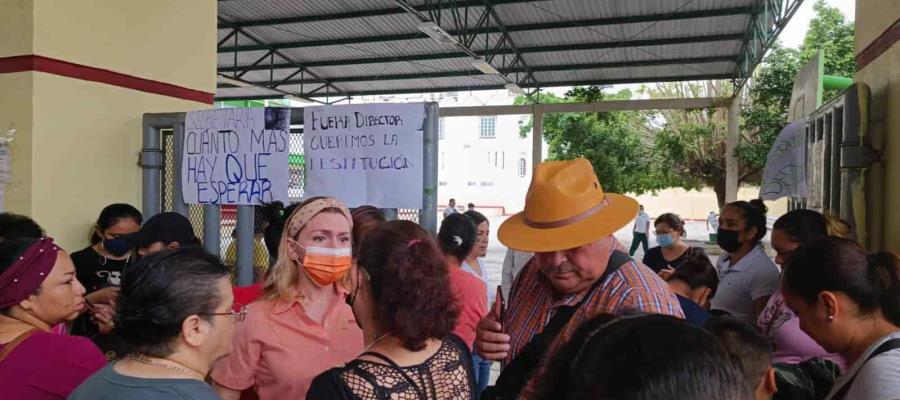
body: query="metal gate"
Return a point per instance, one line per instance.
(224, 227)
(839, 155)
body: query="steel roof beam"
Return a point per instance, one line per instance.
(301, 68)
(524, 50)
(496, 29)
(674, 78)
(547, 68)
(769, 19)
(363, 13)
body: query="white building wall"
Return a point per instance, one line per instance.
(472, 169)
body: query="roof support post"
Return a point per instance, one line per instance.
(537, 138)
(731, 143)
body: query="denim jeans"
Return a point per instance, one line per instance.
(482, 369)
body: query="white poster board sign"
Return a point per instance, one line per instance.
(785, 172)
(368, 154)
(236, 156)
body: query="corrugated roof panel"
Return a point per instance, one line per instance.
(642, 31)
(473, 81)
(243, 58)
(608, 74)
(372, 50)
(245, 91)
(278, 75)
(569, 10)
(406, 67)
(649, 53)
(349, 28)
(266, 9)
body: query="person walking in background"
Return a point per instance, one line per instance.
(640, 232)
(402, 298)
(712, 222)
(100, 267)
(175, 312)
(748, 277)
(672, 249)
(470, 207)
(849, 303)
(451, 208)
(39, 290)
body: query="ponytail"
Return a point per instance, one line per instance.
(754, 213)
(884, 273)
(839, 265)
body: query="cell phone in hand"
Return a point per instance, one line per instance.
(500, 304)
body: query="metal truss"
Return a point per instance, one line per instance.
(768, 20)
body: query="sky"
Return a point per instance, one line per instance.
(793, 33)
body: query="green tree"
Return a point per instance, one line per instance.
(612, 141)
(769, 95)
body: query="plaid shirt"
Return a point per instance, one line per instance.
(532, 304)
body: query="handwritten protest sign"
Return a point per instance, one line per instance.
(785, 172)
(365, 154)
(236, 156)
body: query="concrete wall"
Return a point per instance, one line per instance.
(873, 19)
(77, 140)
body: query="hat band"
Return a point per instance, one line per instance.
(568, 221)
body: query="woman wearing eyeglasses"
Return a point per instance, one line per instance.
(174, 312)
(303, 325)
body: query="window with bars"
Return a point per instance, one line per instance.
(522, 166)
(488, 127)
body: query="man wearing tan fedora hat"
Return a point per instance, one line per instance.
(579, 271)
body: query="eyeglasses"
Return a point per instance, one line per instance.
(238, 315)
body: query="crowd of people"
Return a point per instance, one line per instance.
(351, 305)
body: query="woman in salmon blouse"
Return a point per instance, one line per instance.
(303, 325)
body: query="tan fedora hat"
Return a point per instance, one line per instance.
(566, 208)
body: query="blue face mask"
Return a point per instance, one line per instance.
(665, 240)
(117, 247)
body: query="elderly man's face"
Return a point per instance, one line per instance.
(575, 270)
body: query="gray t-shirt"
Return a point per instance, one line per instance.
(753, 277)
(107, 384)
(877, 379)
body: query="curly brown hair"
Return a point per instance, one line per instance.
(410, 283)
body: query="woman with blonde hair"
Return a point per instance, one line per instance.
(303, 325)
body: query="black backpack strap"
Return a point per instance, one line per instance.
(887, 346)
(520, 370)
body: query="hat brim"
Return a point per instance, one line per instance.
(515, 234)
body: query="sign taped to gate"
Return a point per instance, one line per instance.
(785, 171)
(236, 156)
(368, 154)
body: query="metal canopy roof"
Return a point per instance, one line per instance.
(341, 48)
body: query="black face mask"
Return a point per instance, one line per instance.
(728, 240)
(117, 247)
